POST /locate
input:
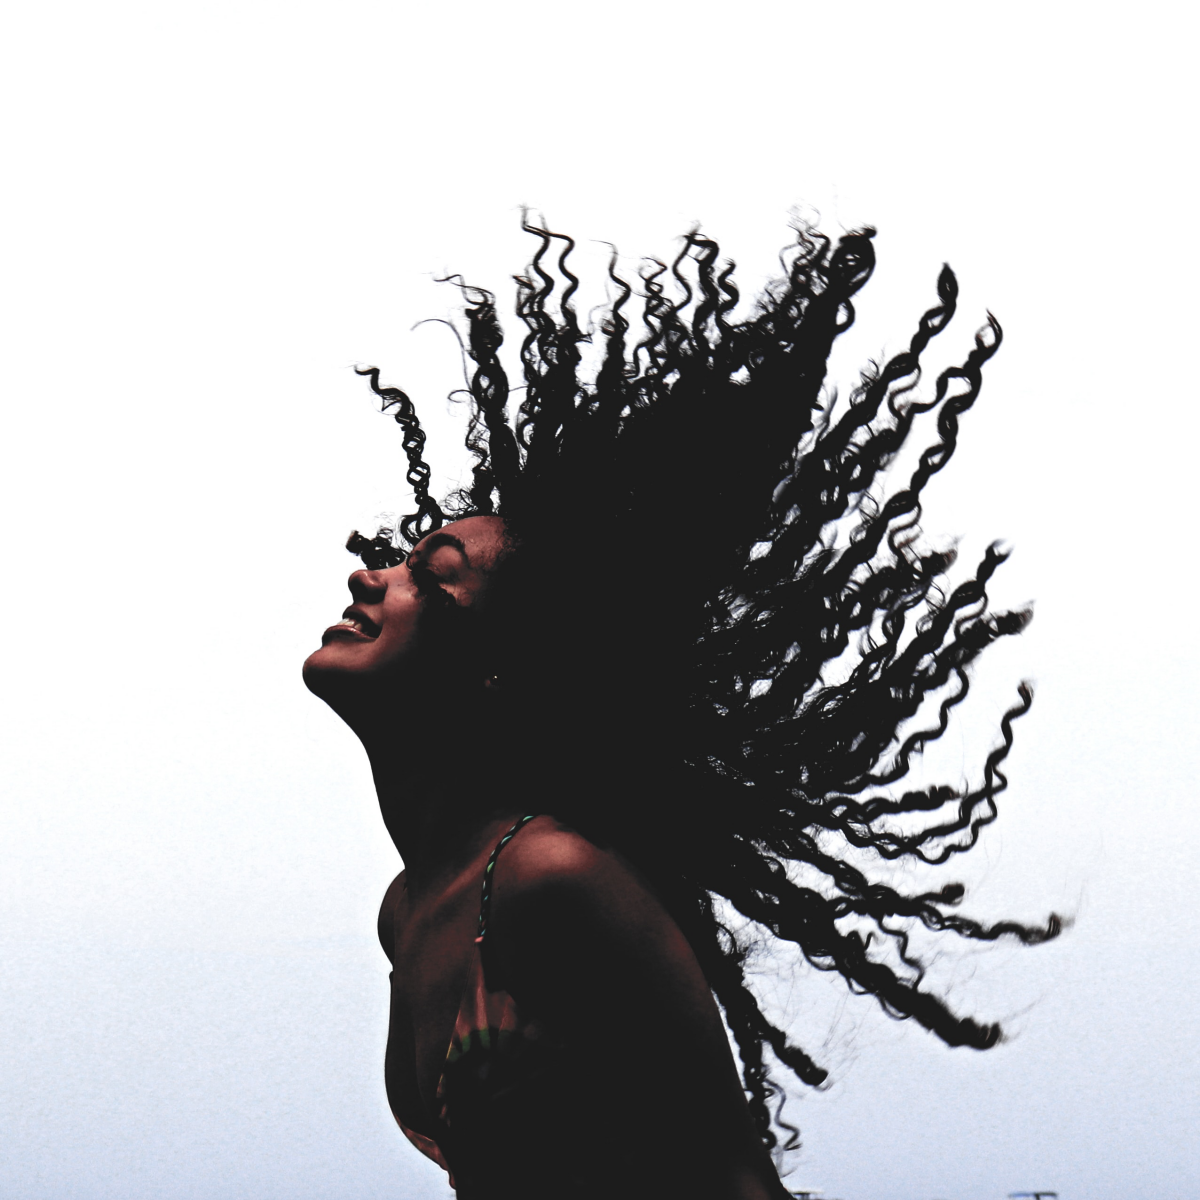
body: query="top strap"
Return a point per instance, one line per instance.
(485, 900)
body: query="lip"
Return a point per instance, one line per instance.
(368, 633)
(344, 633)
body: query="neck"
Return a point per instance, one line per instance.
(438, 793)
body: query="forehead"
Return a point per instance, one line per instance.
(482, 539)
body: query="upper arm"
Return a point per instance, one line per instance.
(568, 914)
(584, 944)
(579, 916)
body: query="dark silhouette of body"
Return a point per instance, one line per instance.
(625, 636)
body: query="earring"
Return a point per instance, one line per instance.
(492, 683)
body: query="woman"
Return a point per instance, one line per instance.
(649, 695)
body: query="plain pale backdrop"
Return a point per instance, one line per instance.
(212, 211)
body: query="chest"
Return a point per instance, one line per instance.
(433, 954)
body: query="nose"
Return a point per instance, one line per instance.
(367, 587)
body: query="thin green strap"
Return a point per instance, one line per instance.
(485, 900)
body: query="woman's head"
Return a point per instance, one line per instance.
(413, 628)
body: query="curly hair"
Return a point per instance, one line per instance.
(723, 646)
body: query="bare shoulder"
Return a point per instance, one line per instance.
(549, 859)
(579, 938)
(387, 915)
(557, 888)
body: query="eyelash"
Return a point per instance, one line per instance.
(428, 584)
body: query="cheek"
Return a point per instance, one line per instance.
(404, 628)
(400, 626)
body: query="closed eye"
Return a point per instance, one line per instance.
(426, 581)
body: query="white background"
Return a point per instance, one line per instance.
(214, 210)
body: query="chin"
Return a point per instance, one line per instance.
(312, 673)
(348, 688)
(323, 678)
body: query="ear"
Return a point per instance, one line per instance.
(492, 683)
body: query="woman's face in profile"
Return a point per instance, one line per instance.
(379, 630)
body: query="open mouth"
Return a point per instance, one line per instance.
(355, 625)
